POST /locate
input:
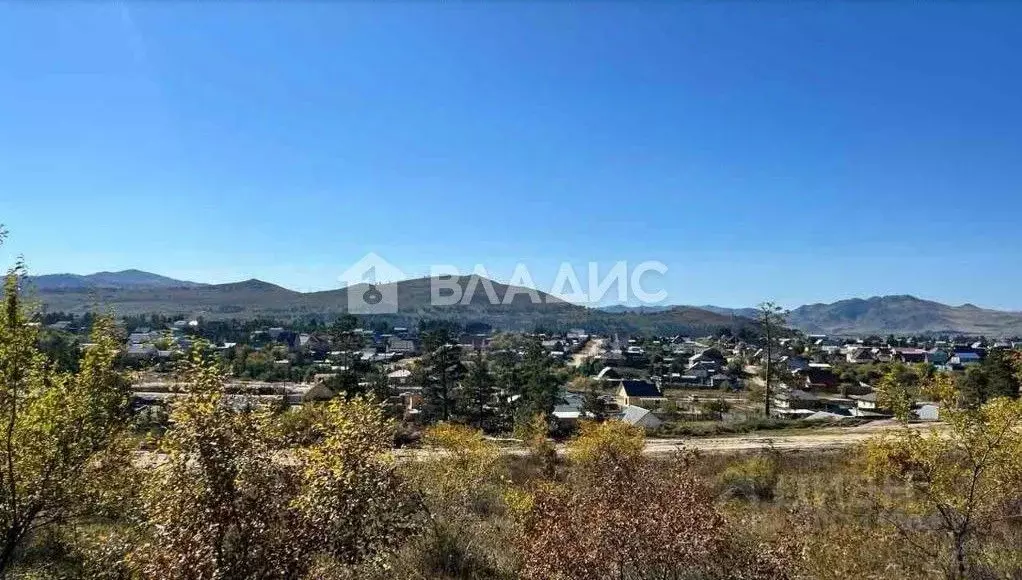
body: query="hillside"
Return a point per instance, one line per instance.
(903, 315)
(138, 292)
(746, 312)
(255, 298)
(108, 280)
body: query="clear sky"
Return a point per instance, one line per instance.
(798, 152)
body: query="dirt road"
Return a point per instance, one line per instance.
(809, 439)
(592, 348)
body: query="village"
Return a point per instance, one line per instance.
(669, 385)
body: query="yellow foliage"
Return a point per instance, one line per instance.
(614, 441)
(967, 473)
(461, 468)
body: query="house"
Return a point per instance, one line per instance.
(568, 408)
(412, 400)
(961, 359)
(705, 366)
(866, 406)
(830, 349)
(317, 345)
(399, 377)
(824, 416)
(718, 380)
(818, 378)
(634, 352)
(473, 342)
(282, 336)
(612, 357)
(860, 355)
(639, 393)
(927, 411)
(699, 377)
(911, 355)
(640, 417)
(140, 351)
(139, 337)
(796, 362)
(794, 402)
(401, 346)
(552, 345)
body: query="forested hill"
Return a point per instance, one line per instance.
(524, 310)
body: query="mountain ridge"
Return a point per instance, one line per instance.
(131, 278)
(255, 298)
(895, 314)
(139, 292)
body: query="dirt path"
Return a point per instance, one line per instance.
(810, 439)
(591, 349)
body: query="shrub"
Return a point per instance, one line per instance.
(754, 478)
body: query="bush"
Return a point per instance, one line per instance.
(754, 478)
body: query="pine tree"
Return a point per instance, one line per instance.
(478, 393)
(440, 372)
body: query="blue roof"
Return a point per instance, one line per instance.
(640, 389)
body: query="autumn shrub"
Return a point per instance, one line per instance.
(228, 501)
(300, 426)
(455, 549)
(753, 478)
(542, 451)
(352, 505)
(460, 473)
(964, 478)
(59, 425)
(619, 515)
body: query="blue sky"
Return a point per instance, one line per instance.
(794, 152)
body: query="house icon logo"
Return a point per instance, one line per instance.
(372, 285)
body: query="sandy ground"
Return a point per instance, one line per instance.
(811, 439)
(592, 348)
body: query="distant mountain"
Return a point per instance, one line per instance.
(122, 279)
(138, 292)
(621, 308)
(255, 298)
(903, 314)
(746, 312)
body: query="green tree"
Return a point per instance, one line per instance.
(593, 405)
(994, 377)
(898, 389)
(540, 386)
(349, 343)
(717, 407)
(508, 382)
(56, 424)
(439, 372)
(478, 396)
